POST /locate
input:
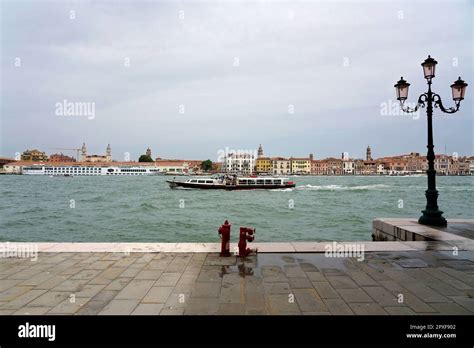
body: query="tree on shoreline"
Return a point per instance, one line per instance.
(145, 158)
(206, 165)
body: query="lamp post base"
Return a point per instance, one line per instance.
(432, 218)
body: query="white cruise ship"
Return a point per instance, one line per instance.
(79, 170)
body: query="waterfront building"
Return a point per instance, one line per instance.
(172, 166)
(61, 158)
(348, 167)
(193, 165)
(463, 165)
(334, 166)
(5, 160)
(414, 162)
(442, 164)
(34, 155)
(179, 166)
(96, 158)
(398, 165)
(360, 167)
(263, 165)
(300, 165)
(281, 166)
(411, 163)
(239, 163)
(459, 166)
(424, 164)
(381, 167)
(15, 167)
(369, 168)
(319, 167)
(471, 165)
(217, 166)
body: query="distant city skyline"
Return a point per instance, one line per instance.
(134, 157)
(190, 79)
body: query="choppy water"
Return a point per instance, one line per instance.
(144, 209)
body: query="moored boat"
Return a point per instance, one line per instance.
(225, 182)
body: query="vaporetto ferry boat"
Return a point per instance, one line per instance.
(75, 170)
(226, 182)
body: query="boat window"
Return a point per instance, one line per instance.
(277, 182)
(209, 181)
(193, 180)
(243, 182)
(251, 182)
(268, 182)
(260, 181)
(201, 181)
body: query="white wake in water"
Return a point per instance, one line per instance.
(340, 187)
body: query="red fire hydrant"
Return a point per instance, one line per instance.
(247, 234)
(224, 233)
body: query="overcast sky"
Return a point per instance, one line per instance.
(190, 79)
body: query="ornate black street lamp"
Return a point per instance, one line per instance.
(431, 215)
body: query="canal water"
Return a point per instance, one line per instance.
(145, 209)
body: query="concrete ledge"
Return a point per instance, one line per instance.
(409, 230)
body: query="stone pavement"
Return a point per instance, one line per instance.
(148, 283)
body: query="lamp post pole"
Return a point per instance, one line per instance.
(431, 215)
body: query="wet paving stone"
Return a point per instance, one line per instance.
(300, 283)
(119, 307)
(49, 299)
(135, 290)
(411, 263)
(204, 290)
(231, 309)
(277, 288)
(402, 310)
(148, 309)
(273, 274)
(281, 304)
(367, 309)
(210, 274)
(341, 282)
(202, 306)
(428, 282)
(158, 294)
(97, 303)
(337, 306)
(168, 279)
(354, 295)
(69, 306)
(325, 290)
(309, 301)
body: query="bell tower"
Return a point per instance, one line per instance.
(83, 152)
(108, 154)
(260, 151)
